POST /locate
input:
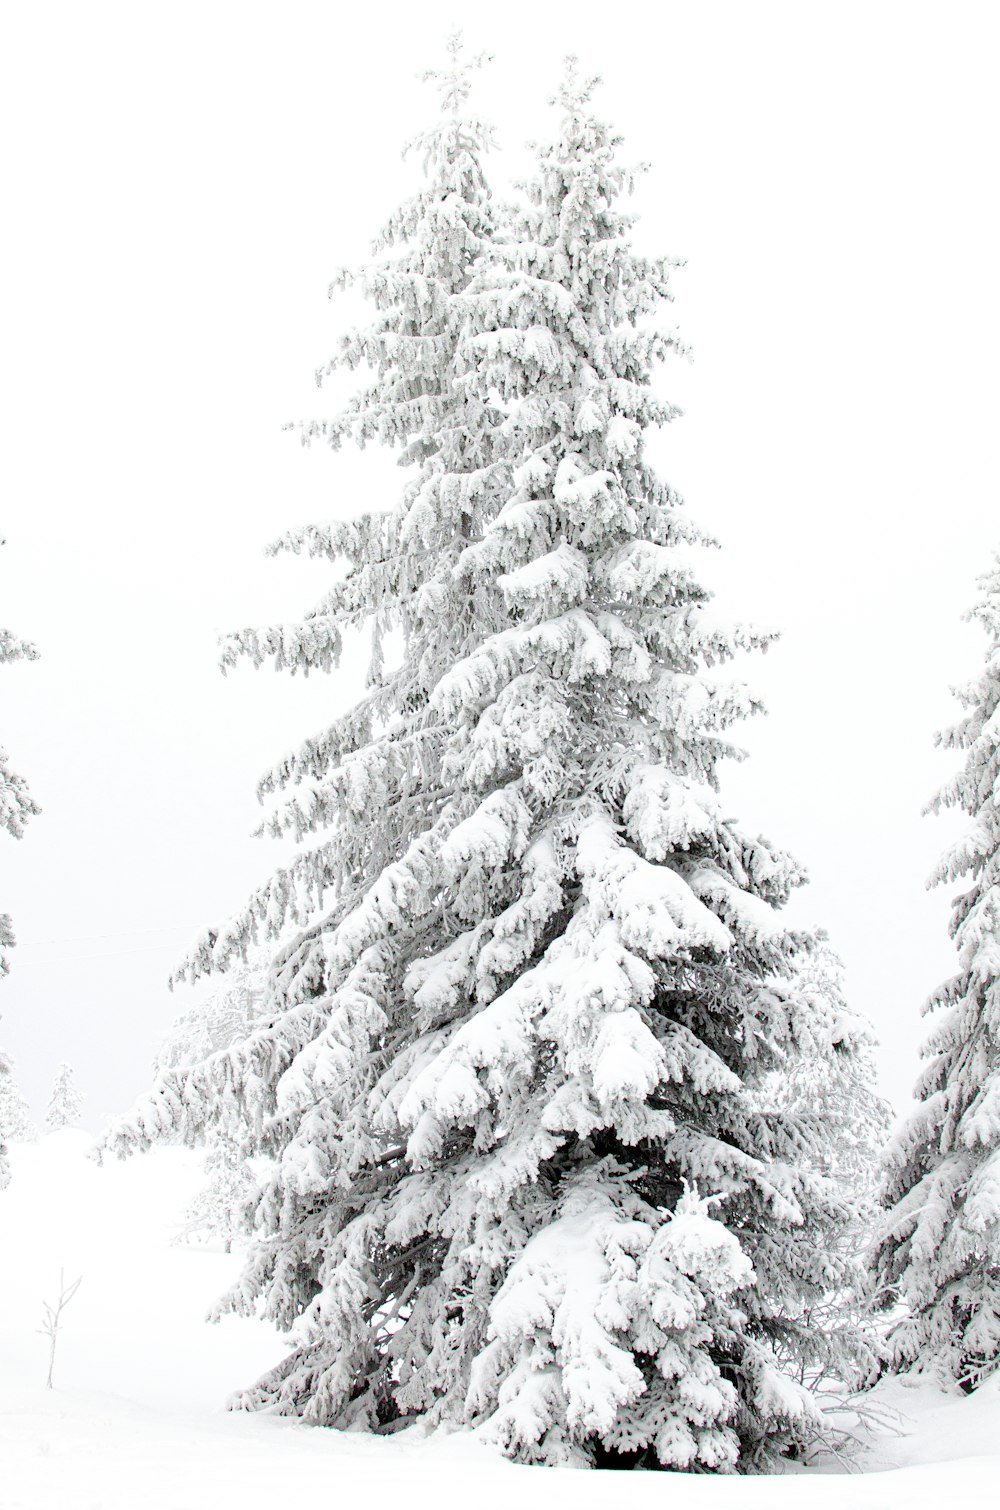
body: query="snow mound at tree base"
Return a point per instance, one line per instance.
(69, 1451)
(934, 1426)
(137, 1417)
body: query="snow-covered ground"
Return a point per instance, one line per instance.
(136, 1420)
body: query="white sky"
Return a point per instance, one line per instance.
(179, 182)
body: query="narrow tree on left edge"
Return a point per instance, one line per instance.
(16, 806)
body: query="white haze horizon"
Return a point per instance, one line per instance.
(183, 184)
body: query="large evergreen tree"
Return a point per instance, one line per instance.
(940, 1247)
(518, 1072)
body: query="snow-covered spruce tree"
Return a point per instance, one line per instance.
(65, 1103)
(940, 1247)
(513, 1073)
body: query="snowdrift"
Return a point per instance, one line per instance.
(137, 1416)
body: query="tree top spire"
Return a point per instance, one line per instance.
(455, 80)
(576, 89)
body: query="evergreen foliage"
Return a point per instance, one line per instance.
(65, 1102)
(16, 806)
(837, 1082)
(518, 1072)
(229, 1015)
(940, 1246)
(222, 1206)
(836, 1086)
(16, 803)
(16, 1125)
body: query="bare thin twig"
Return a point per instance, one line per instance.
(53, 1317)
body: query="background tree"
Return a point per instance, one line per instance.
(832, 1078)
(940, 1246)
(515, 1078)
(16, 1125)
(65, 1102)
(223, 1206)
(230, 1014)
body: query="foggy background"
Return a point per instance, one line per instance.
(179, 183)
